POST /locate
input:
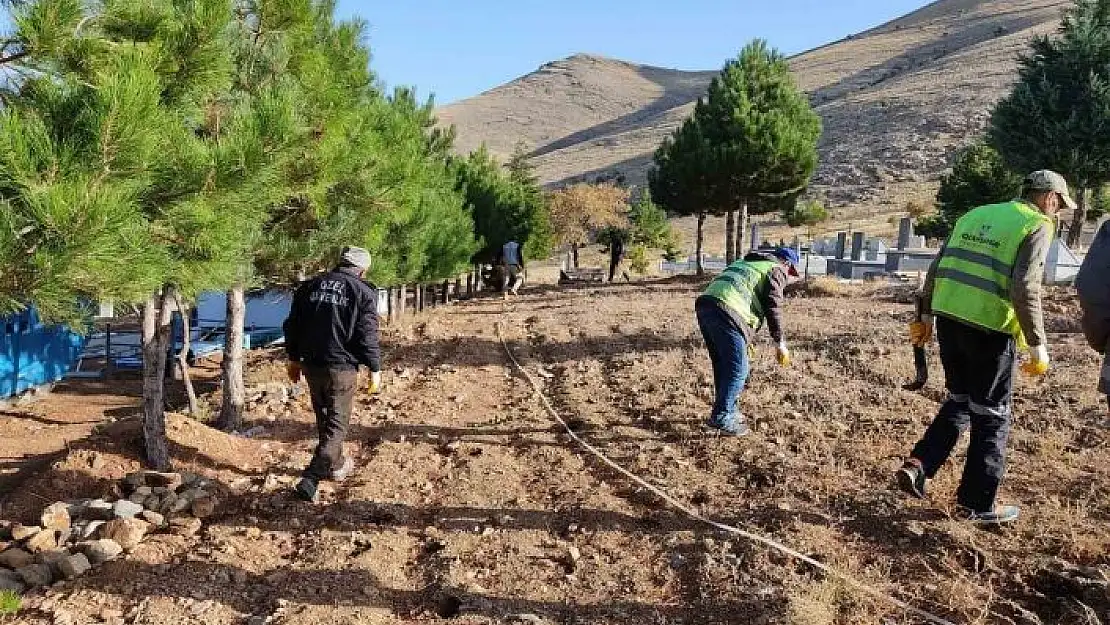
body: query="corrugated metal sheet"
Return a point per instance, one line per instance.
(33, 353)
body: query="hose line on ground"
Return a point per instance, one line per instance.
(861, 586)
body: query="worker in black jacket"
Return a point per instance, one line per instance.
(332, 329)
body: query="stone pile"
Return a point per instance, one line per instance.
(73, 537)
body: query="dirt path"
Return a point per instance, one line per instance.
(470, 504)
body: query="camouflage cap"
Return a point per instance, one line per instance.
(1047, 180)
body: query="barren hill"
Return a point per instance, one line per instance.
(896, 101)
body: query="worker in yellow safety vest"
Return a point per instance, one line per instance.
(985, 291)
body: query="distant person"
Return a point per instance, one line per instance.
(1093, 284)
(985, 290)
(512, 268)
(730, 311)
(616, 254)
(332, 329)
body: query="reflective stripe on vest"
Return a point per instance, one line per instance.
(737, 288)
(975, 274)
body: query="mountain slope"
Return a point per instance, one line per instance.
(896, 102)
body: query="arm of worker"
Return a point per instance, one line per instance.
(772, 304)
(364, 342)
(926, 294)
(291, 327)
(1025, 287)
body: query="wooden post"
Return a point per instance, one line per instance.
(402, 300)
(388, 304)
(470, 284)
(458, 288)
(446, 291)
(419, 298)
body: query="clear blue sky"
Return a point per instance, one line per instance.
(459, 48)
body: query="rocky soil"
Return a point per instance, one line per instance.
(470, 505)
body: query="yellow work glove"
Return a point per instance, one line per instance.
(921, 331)
(293, 370)
(783, 354)
(375, 385)
(751, 351)
(1037, 365)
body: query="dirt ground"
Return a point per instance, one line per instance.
(471, 505)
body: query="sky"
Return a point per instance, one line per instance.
(459, 48)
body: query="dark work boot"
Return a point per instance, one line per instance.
(306, 489)
(911, 478)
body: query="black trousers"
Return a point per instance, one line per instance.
(1097, 329)
(333, 396)
(979, 375)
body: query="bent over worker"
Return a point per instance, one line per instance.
(985, 290)
(730, 311)
(332, 329)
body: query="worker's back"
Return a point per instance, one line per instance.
(1093, 281)
(510, 254)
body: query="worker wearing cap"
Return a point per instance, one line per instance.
(730, 311)
(985, 290)
(332, 329)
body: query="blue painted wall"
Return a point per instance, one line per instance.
(33, 353)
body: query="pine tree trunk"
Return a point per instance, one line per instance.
(155, 333)
(742, 231)
(183, 355)
(1075, 235)
(730, 238)
(235, 393)
(700, 244)
(574, 254)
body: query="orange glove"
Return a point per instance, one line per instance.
(293, 370)
(783, 354)
(1037, 365)
(921, 332)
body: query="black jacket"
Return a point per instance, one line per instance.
(334, 322)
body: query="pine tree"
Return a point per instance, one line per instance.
(761, 133)
(1058, 112)
(678, 179)
(505, 205)
(978, 177)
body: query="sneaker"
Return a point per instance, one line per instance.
(998, 516)
(342, 472)
(306, 489)
(737, 426)
(911, 479)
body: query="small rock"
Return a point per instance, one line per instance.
(181, 504)
(528, 618)
(46, 540)
(108, 614)
(23, 532)
(155, 519)
(6, 530)
(52, 558)
(97, 510)
(164, 480)
(124, 509)
(134, 481)
(100, 551)
(56, 517)
(204, 508)
(36, 575)
(165, 506)
(127, 532)
(74, 566)
(185, 526)
(15, 558)
(10, 580)
(91, 528)
(136, 498)
(256, 620)
(96, 461)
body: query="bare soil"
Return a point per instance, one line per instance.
(470, 505)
